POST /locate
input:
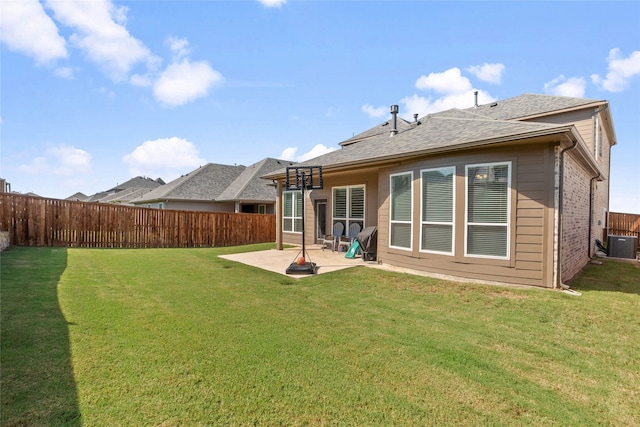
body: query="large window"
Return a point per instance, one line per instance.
(488, 210)
(438, 195)
(348, 206)
(292, 211)
(401, 209)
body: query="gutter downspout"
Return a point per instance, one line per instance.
(591, 213)
(559, 283)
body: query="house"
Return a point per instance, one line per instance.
(250, 193)
(5, 187)
(218, 188)
(514, 191)
(121, 193)
(78, 197)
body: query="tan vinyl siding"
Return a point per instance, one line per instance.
(581, 119)
(531, 219)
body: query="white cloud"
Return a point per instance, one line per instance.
(163, 157)
(25, 27)
(141, 80)
(289, 153)
(185, 81)
(64, 72)
(272, 3)
(490, 73)
(375, 112)
(562, 86)
(318, 150)
(422, 106)
(620, 71)
(452, 88)
(99, 31)
(179, 47)
(448, 82)
(60, 160)
(101, 34)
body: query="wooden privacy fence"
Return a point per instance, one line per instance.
(35, 221)
(622, 224)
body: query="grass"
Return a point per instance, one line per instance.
(181, 337)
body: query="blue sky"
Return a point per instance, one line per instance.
(96, 92)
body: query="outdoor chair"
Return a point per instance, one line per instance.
(354, 229)
(334, 238)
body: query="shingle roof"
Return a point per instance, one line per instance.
(205, 183)
(453, 129)
(97, 196)
(249, 186)
(530, 104)
(125, 196)
(434, 134)
(138, 182)
(79, 196)
(381, 129)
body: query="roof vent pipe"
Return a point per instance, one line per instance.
(415, 118)
(475, 95)
(394, 120)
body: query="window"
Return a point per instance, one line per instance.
(348, 206)
(400, 230)
(437, 210)
(292, 211)
(262, 209)
(488, 210)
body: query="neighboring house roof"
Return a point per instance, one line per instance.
(249, 186)
(96, 197)
(204, 184)
(79, 196)
(138, 182)
(125, 196)
(452, 130)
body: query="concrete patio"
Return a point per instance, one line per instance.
(327, 261)
(278, 261)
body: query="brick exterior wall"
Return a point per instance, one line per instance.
(575, 218)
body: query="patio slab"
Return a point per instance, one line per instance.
(279, 260)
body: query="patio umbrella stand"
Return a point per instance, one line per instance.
(300, 179)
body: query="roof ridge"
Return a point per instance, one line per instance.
(246, 181)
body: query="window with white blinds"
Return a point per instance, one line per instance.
(400, 228)
(488, 210)
(292, 211)
(349, 206)
(438, 196)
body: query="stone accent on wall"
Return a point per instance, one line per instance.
(4, 240)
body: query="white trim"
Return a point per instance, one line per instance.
(391, 221)
(293, 211)
(466, 211)
(453, 212)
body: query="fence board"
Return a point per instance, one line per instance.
(35, 221)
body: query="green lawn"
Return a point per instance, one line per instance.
(168, 337)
